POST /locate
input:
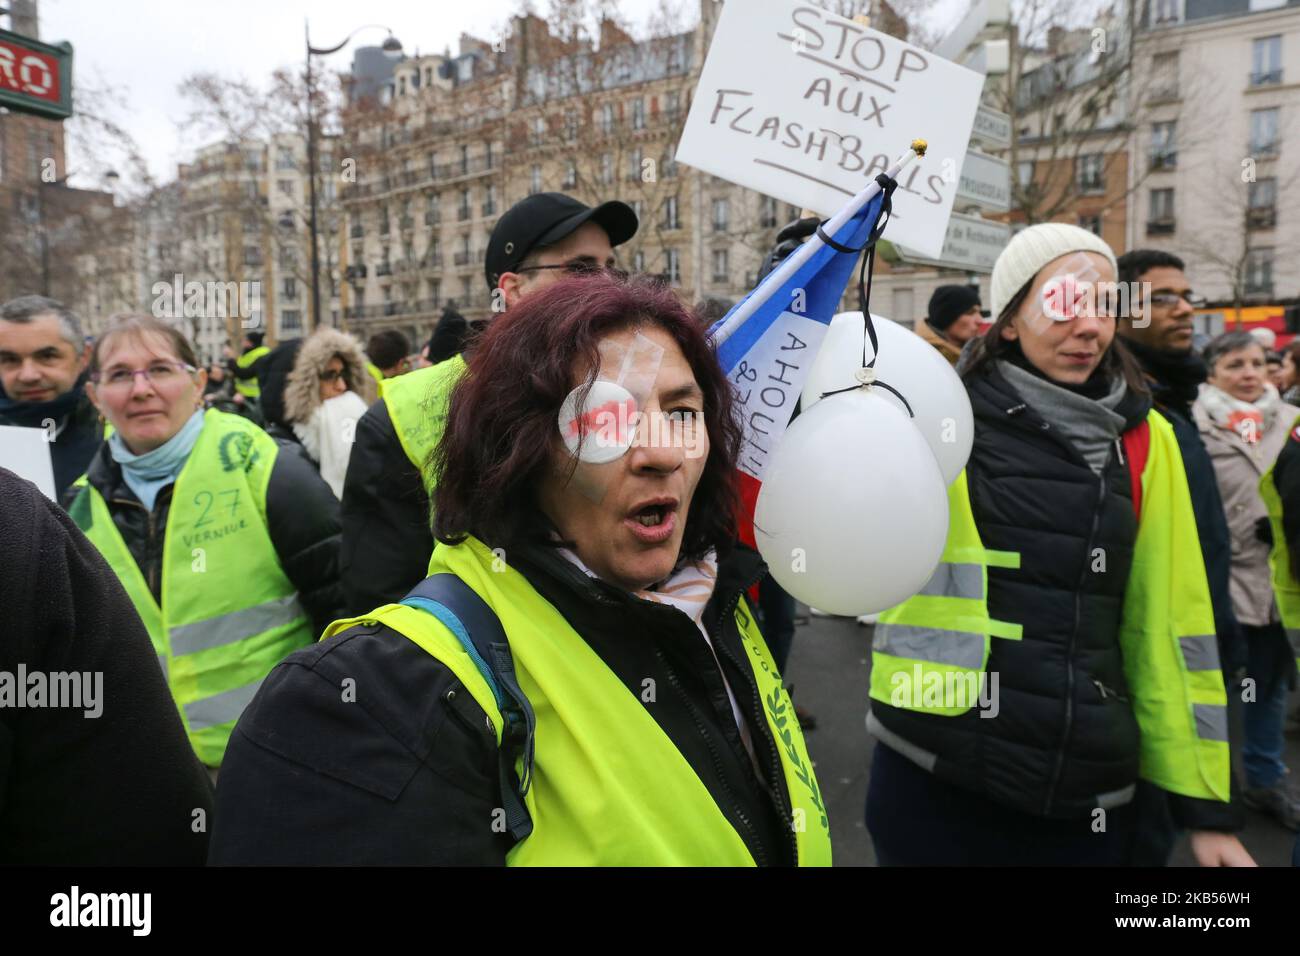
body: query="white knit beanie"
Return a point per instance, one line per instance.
(1031, 249)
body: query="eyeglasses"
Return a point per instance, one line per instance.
(333, 375)
(579, 267)
(1167, 300)
(158, 374)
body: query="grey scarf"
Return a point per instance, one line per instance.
(1089, 425)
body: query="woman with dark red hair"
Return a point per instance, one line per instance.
(580, 680)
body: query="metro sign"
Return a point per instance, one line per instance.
(35, 77)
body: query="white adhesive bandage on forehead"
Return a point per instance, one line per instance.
(599, 424)
(1071, 291)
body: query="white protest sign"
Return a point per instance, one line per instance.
(26, 452)
(809, 107)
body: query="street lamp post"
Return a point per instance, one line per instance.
(392, 47)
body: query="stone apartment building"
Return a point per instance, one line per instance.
(454, 140)
(1220, 151)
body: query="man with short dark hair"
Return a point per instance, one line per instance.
(247, 369)
(952, 319)
(43, 360)
(389, 351)
(1158, 332)
(387, 541)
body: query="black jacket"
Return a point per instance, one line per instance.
(1065, 739)
(387, 535)
(123, 788)
(408, 773)
(302, 517)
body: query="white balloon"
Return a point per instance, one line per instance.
(911, 365)
(853, 513)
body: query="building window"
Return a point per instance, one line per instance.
(1164, 76)
(669, 165)
(435, 292)
(606, 169)
(539, 130)
(285, 186)
(284, 157)
(674, 270)
(290, 321)
(672, 105)
(607, 118)
(638, 113)
(636, 208)
(1160, 216)
(1025, 173)
(671, 220)
(638, 261)
(1261, 211)
(634, 165)
(1259, 271)
(1164, 152)
(464, 160)
(463, 213)
(490, 200)
(721, 215)
(1088, 172)
(1266, 61)
(289, 287)
(1263, 132)
(570, 175)
(767, 212)
(1091, 222)
(1166, 11)
(721, 266)
(488, 158)
(570, 125)
(535, 179)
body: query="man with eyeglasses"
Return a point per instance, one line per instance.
(1158, 333)
(43, 358)
(387, 540)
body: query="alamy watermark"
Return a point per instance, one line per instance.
(222, 300)
(75, 690)
(922, 689)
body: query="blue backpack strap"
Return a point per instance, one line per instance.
(460, 609)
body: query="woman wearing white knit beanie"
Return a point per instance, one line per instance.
(1094, 646)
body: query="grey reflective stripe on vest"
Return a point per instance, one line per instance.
(958, 648)
(956, 580)
(1211, 721)
(234, 627)
(220, 708)
(162, 662)
(1116, 798)
(1201, 653)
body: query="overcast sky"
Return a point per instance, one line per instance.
(143, 48)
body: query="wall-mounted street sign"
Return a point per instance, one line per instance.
(992, 128)
(971, 244)
(35, 77)
(984, 181)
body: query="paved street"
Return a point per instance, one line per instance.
(829, 666)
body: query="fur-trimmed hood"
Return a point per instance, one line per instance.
(302, 392)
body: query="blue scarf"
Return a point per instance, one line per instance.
(148, 474)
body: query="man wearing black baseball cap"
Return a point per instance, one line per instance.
(387, 540)
(952, 319)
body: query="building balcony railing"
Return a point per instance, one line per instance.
(383, 228)
(407, 223)
(357, 232)
(355, 272)
(1164, 160)
(404, 266)
(383, 269)
(432, 260)
(394, 308)
(354, 312)
(462, 214)
(1160, 227)
(462, 258)
(489, 209)
(1261, 217)
(432, 219)
(1264, 150)
(1268, 78)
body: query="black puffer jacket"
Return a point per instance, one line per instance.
(1064, 740)
(408, 773)
(302, 517)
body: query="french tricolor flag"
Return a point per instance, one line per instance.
(767, 343)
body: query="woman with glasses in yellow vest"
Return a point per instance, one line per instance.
(1065, 646)
(580, 680)
(226, 543)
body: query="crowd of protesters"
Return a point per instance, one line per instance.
(401, 620)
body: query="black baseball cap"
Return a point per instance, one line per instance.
(950, 301)
(545, 218)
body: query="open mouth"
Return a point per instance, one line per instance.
(653, 521)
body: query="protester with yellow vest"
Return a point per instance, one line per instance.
(584, 617)
(225, 542)
(1280, 490)
(1065, 645)
(242, 368)
(386, 536)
